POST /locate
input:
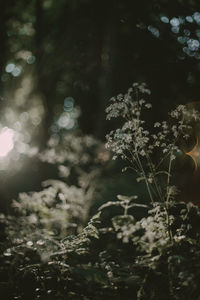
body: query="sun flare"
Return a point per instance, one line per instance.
(194, 154)
(6, 141)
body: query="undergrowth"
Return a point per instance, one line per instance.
(131, 248)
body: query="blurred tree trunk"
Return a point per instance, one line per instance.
(105, 82)
(4, 11)
(43, 82)
(49, 66)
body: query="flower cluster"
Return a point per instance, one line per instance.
(149, 154)
(131, 136)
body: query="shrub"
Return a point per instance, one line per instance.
(130, 249)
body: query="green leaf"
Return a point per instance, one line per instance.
(119, 221)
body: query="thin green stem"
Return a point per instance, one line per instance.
(168, 196)
(144, 175)
(154, 177)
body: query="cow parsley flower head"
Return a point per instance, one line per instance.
(150, 155)
(132, 133)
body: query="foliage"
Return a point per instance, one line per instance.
(59, 44)
(150, 155)
(130, 248)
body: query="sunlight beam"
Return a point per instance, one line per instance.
(6, 141)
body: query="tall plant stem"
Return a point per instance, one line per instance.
(154, 177)
(144, 175)
(168, 196)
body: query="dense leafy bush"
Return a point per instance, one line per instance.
(131, 248)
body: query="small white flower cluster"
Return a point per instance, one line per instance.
(142, 87)
(134, 143)
(179, 126)
(182, 112)
(131, 135)
(164, 138)
(153, 228)
(123, 105)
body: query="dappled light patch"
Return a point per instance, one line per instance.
(6, 141)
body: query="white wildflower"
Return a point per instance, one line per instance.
(148, 105)
(157, 124)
